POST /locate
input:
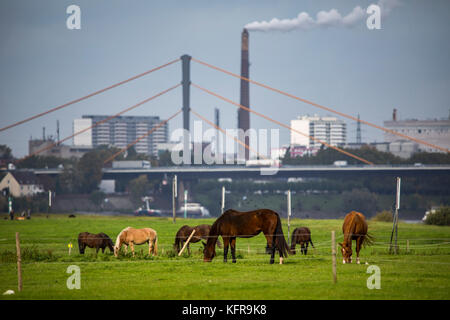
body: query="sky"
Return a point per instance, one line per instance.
(347, 67)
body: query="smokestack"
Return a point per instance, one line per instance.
(243, 115)
(394, 115)
(57, 131)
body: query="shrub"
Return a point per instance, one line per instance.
(440, 217)
(383, 216)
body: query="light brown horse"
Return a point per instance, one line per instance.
(232, 224)
(131, 236)
(354, 228)
(201, 232)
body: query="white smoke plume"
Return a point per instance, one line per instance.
(331, 18)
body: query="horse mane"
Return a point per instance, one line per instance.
(118, 237)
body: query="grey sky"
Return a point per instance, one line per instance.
(354, 70)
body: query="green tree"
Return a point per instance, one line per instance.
(138, 188)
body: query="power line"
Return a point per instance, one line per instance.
(228, 135)
(322, 107)
(98, 123)
(142, 137)
(87, 96)
(282, 124)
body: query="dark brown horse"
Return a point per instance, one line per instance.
(232, 224)
(96, 241)
(301, 236)
(201, 232)
(354, 228)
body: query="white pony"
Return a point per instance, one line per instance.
(131, 236)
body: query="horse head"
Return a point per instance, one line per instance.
(209, 251)
(346, 253)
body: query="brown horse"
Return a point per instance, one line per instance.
(201, 232)
(302, 236)
(96, 241)
(131, 236)
(354, 228)
(232, 224)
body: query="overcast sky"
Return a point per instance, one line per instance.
(350, 68)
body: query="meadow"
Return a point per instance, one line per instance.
(421, 271)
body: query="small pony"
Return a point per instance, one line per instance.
(97, 241)
(201, 232)
(302, 236)
(131, 236)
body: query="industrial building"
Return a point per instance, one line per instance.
(436, 131)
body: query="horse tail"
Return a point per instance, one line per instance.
(310, 241)
(155, 245)
(279, 240)
(368, 240)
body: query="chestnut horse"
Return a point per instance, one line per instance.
(201, 232)
(131, 236)
(232, 224)
(96, 241)
(354, 228)
(302, 236)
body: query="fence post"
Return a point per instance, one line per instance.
(333, 255)
(19, 263)
(186, 243)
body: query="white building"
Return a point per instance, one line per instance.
(85, 138)
(327, 129)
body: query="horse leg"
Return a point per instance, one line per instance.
(306, 248)
(131, 247)
(358, 247)
(226, 242)
(233, 249)
(303, 247)
(272, 255)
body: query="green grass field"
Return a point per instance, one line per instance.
(423, 272)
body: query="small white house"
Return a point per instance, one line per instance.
(21, 183)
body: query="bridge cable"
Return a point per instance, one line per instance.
(322, 107)
(87, 96)
(97, 123)
(282, 124)
(142, 137)
(229, 135)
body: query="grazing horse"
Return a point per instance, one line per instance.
(354, 228)
(302, 236)
(131, 236)
(201, 232)
(232, 224)
(96, 241)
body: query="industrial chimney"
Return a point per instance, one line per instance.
(394, 115)
(243, 115)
